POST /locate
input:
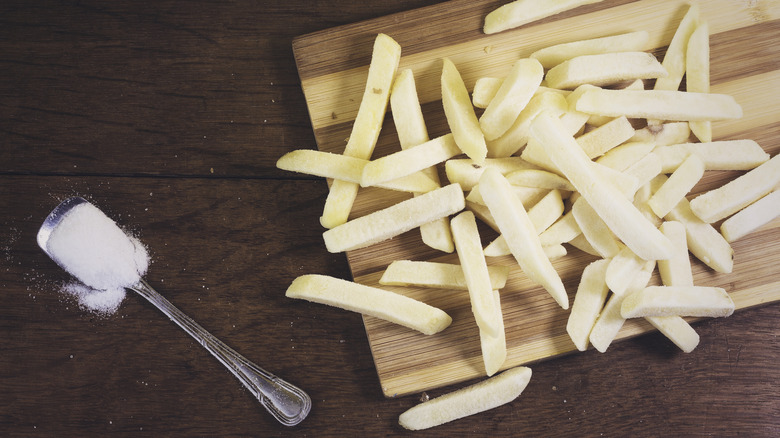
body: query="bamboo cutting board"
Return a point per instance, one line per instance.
(333, 65)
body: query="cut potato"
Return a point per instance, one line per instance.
(625, 155)
(460, 114)
(598, 234)
(485, 90)
(677, 186)
(604, 69)
(620, 215)
(520, 234)
(394, 220)
(517, 135)
(436, 275)
(674, 57)
(588, 302)
(514, 94)
(602, 139)
(380, 303)
(726, 200)
(644, 170)
(697, 75)
(528, 196)
(365, 130)
(676, 271)
(551, 56)
(622, 270)
(704, 241)
(543, 214)
(520, 12)
(494, 347)
(485, 395)
(539, 179)
(716, 155)
(701, 301)
(472, 261)
(350, 169)
(562, 231)
(408, 161)
(751, 217)
(677, 330)
(663, 134)
(659, 104)
(466, 171)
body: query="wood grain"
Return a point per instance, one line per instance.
(535, 326)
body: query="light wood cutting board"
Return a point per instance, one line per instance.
(333, 65)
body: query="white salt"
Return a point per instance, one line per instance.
(92, 248)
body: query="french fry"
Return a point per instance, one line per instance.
(551, 56)
(562, 231)
(494, 347)
(716, 155)
(659, 104)
(588, 302)
(384, 62)
(596, 120)
(622, 269)
(543, 214)
(517, 135)
(602, 139)
(664, 133)
(726, 200)
(482, 213)
(342, 167)
(677, 186)
(540, 179)
(466, 171)
(436, 275)
(485, 90)
(408, 161)
(598, 234)
(697, 75)
(704, 241)
(674, 57)
(394, 220)
(520, 234)
(380, 303)
(460, 114)
(469, 249)
(676, 271)
(701, 301)
(604, 69)
(520, 12)
(515, 92)
(644, 170)
(625, 155)
(485, 395)
(528, 196)
(677, 330)
(751, 217)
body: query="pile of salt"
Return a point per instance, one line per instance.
(92, 248)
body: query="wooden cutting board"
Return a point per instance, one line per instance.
(333, 65)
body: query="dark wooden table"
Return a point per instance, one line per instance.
(170, 117)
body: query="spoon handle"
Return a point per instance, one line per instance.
(286, 402)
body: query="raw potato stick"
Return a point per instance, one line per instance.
(365, 131)
(677, 186)
(409, 161)
(659, 104)
(674, 58)
(394, 220)
(460, 114)
(701, 301)
(751, 217)
(517, 135)
(726, 200)
(622, 269)
(520, 12)
(520, 235)
(551, 56)
(487, 394)
(436, 275)
(514, 94)
(472, 261)
(380, 303)
(494, 347)
(604, 69)
(704, 241)
(697, 75)
(622, 217)
(716, 155)
(676, 271)
(677, 330)
(625, 155)
(588, 302)
(466, 172)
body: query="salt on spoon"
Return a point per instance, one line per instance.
(90, 246)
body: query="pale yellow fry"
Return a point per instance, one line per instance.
(645, 169)
(625, 155)
(597, 120)
(394, 220)
(460, 114)
(517, 135)
(660, 104)
(704, 241)
(528, 196)
(494, 347)
(751, 217)
(514, 94)
(542, 215)
(677, 186)
(726, 200)
(697, 75)
(664, 133)
(539, 178)
(674, 58)
(599, 141)
(482, 213)
(622, 269)
(409, 161)
(701, 301)
(562, 231)
(598, 234)
(350, 169)
(466, 172)
(610, 321)
(677, 330)
(436, 275)
(588, 302)
(485, 90)
(627, 42)
(469, 249)
(676, 271)
(604, 69)
(622, 217)
(385, 57)
(716, 155)
(520, 234)
(485, 395)
(520, 12)
(379, 303)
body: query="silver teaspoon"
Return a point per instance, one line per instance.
(286, 402)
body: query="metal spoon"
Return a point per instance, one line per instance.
(287, 403)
